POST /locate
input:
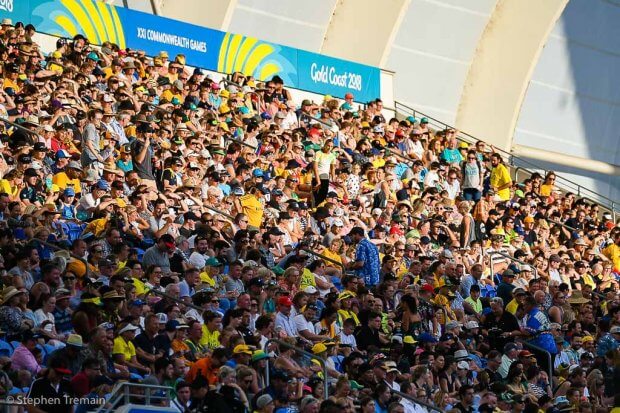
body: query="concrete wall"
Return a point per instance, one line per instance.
(572, 104)
(433, 50)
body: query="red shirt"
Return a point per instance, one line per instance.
(80, 384)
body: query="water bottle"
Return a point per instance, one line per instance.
(476, 403)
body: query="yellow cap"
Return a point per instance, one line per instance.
(242, 349)
(318, 348)
(345, 295)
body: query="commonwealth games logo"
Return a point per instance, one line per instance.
(6, 5)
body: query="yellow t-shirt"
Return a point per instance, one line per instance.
(54, 67)
(140, 287)
(512, 306)
(613, 253)
(499, 177)
(9, 83)
(307, 279)
(378, 163)
(329, 254)
(253, 208)
(96, 226)
(62, 180)
(545, 190)
(123, 347)
(210, 339)
(168, 95)
(5, 186)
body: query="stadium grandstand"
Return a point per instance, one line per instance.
(405, 206)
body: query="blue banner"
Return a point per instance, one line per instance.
(206, 48)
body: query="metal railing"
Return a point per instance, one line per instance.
(541, 350)
(429, 407)
(20, 127)
(72, 255)
(507, 256)
(175, 299)
(219, 211)
(323, 257)
(518, 162)
(125, 393)
(610, 205)
(302, 352)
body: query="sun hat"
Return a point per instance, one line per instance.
(242, 349)
(128, 327)
(75, 340)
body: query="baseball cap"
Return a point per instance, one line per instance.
(162, 318)
(101, 184)
(265, 399)
(427, 338)
(285, 301)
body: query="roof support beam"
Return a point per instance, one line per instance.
(215, 14)
(364, 30)
(502, 67)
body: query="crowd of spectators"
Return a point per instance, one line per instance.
(160, 226)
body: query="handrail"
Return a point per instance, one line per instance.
(321, 121)
(240, 142)
(542, 350)
(323, 257)
(176, 300)
(429, 407)
(122, 392)
(568, 227)
(57, 248)
(303, 352)
(508, 155)
(609, 208)
(518, 261)
(220, 212)
(18, 126)
(156, 107)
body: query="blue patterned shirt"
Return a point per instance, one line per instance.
(537, 323)
(368, 253)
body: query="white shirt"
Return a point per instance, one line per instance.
(348, 339)
(554, 275)
(301, 324)
(286, 324)
(431, 179)
(454, 189)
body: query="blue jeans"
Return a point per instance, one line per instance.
(471, 194)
